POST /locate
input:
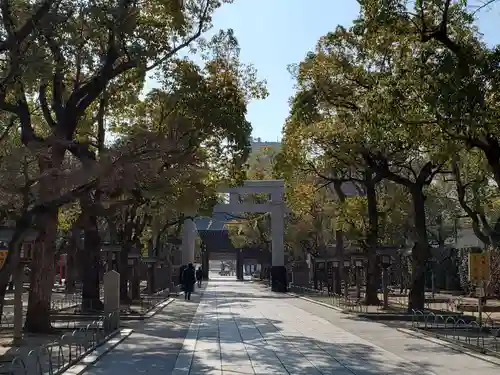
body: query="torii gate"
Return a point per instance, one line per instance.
(276, 206)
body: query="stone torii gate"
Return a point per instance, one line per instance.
(275, 189)
(276, 206)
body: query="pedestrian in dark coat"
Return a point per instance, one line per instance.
(199, 276)
(188, 281)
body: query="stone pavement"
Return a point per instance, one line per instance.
(243, 328)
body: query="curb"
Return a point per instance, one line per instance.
(103, 349)
(438, 341)
(316, 302)
(97, 353)
(156, 309)
(449, 345)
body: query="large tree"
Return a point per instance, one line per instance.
(65, 57)
(364, 87)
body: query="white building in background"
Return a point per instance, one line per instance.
(258, 143)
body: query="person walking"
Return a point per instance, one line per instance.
(181, 275)
(188, 281)
(199, 276)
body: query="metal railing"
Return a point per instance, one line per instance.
(398, 303)
(448, 304)
(347, 303)
(56, 357)
(63, 306)
(459, 329)
(56, 305)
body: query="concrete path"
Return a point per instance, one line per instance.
(242, 328)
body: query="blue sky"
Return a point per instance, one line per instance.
(275, 33)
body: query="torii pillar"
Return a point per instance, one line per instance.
(188, 241)
(276, 206)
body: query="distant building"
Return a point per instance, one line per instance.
(258, 143)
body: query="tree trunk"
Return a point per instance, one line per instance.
(71, 260)
(71, 267)
(135, 288)
(91, 266)
(492, 153)
(13, 257)
(42, 276)
(339, 253)
(71, 263)
(372, 270)
(44, 257)
(420, 253)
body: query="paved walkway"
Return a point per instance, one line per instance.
(242, 328)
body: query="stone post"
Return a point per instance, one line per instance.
(112, 299)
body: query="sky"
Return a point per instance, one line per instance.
(276, 33)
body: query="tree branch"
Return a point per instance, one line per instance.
(473, 215)
(17, 37)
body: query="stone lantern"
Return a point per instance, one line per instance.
(133, 261)
(358, 261)
(386, 253)
(335, 265)
(151, 262)
(111, 253)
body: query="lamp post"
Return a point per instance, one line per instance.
(135, 282)
(319, 273)
(204, 260)
(432, 265)
(329, 273)
(347, 266)
(386, 263)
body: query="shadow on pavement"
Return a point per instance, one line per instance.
(154, 347)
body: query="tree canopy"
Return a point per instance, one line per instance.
(88, 154)
(393, 121)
